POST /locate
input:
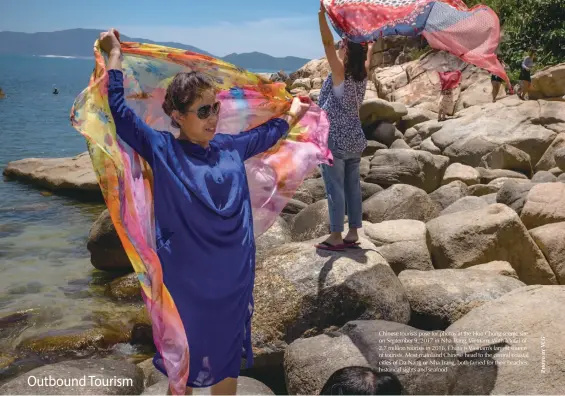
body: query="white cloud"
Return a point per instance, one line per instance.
(273, 36)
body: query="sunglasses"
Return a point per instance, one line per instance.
(204, 112)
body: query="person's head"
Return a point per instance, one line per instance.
(191, 103)
(532, 53)
(358, 380)
(353, 55)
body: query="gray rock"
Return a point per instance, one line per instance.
(559, 157)
(441, 297)
(79, 377)
(372, 147)
(315, 187)
(496, 268)
(449, 193)
(416, 168)
(429, 146)
(513, 194)
(302, 291)
(489, 175)
(402, 243)
(545, 204)
(278, 234)
(489, 198)
(294, 206)
(469, 138)
(311, 222)
(464, 173)
(150, 374)
(105, 247)
(508, 157)
(400, 201)
(464, 239)
(479, 190)
(465, 204)
(399, 144)
(550, 239)
(547, 161)
(378, 109)
(369, 189)
(382, 132)
(311, 361)
(530, 322)
(544, 177)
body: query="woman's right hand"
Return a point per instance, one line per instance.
(110, 41)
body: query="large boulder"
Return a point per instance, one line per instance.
(469, 138)
(464, 173)
(545, 204)
(441, 297)
(311, 222)
(544, 177)
(547, 161)
(508, 157)
(400, 201)
(381, 110)
(551, 240)
(402, 243)
(106, 250)
(416, 168)
(385, 346)
(513, 193)
(302, 291)
(490, 175)
(420, 133)
(79, 377)
(449, 193)
(522, 335)
(278, 234)
(465, 204)
(314, 187)
(464, 239)
(548, 83)
(66, 175)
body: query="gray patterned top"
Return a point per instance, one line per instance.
(346, 133)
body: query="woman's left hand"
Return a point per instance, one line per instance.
(300, 105)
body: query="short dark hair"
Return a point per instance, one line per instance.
(183, 91)
(359, 380)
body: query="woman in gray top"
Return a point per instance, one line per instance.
(525, 74)
(341, 95)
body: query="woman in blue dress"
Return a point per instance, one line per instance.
(203, 218)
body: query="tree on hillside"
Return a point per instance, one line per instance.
(526, 24)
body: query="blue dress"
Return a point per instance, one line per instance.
(204, 231)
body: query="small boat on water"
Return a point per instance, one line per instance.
(2, 94)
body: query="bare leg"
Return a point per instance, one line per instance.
(526, 90)
(225, 387)
(352, 235)
(495, 90)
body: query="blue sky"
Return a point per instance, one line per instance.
(278, 28)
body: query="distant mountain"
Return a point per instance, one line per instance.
(258, 60)
(78, 42)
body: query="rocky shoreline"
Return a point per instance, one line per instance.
(462, 255)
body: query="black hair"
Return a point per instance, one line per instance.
(183, 91)
(358, 380)
(354, 62)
